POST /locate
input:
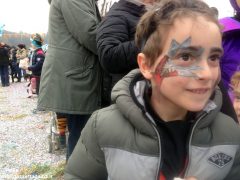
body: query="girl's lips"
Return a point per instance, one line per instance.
(199, 90)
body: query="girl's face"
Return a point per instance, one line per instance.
(193, 50)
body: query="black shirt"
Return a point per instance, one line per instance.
(174, 142)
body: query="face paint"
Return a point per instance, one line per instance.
(167, 69)
(158, 73)
(184, 50)
(175, 47)
(182, 59)
(170, 69)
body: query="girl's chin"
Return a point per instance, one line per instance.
(196, 107)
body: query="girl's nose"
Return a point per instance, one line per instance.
(205, 73)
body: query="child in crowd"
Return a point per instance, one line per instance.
(36, 60)
(166, 120)
(235, 93)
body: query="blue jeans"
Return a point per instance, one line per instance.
(4, 75)
(75, 125)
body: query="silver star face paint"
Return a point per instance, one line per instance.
(181, 60)
(170, 67)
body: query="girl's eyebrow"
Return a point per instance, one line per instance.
(175, 47)
(216, 49)
(196, 50)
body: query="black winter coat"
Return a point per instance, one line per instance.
(115, 42)
(4, 56)
(115, 37)
(37, 62)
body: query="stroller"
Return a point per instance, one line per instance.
(53, 137)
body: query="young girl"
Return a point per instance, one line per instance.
(166, 120)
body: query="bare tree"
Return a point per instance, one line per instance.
(105, 5)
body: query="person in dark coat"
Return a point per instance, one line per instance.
(115, 40)
(4, 62)
(15, 70)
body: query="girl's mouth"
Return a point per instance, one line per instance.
(199, 90)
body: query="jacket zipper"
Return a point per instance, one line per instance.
(159, 144)
(190, 139)
(160, 152)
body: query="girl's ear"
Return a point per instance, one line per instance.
(143, 66)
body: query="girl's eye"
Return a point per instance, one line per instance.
(215, 57)
(185, 57)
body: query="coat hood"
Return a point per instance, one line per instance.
(135, 7)
(229, 24)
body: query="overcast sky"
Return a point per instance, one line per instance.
(24, 15)
(224, 7)
(32, 15)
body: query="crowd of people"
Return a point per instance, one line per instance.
(149, 91)
(19, 63)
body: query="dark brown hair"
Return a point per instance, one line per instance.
(21, 46)
(155, 24)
